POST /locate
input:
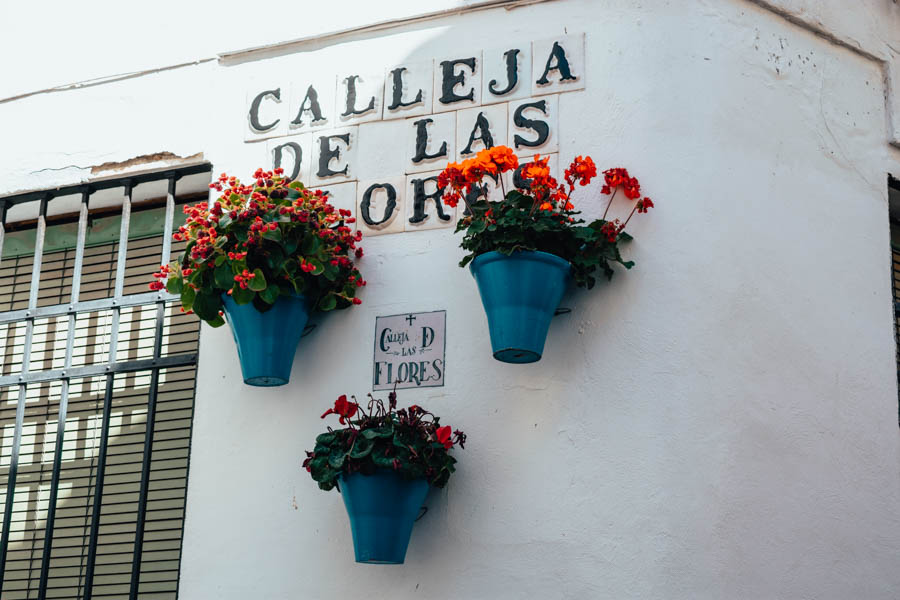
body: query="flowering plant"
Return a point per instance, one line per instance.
(410, 441)
(257, 242)
(539, 216)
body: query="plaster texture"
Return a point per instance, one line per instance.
(718, 423)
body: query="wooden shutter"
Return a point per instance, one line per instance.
(148, 372)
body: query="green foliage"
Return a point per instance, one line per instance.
(516, 224)
(259, 242)
(410, 441)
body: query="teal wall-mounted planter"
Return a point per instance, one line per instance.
(382, 508)
(520, 294)
(266, 342)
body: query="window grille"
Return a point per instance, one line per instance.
(895, 255)
(96, 397)
(894, 188)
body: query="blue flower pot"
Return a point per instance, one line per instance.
(382, 508)
(266, 342)
(520, 294)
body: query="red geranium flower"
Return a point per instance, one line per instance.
(342, 407)
(443, 436)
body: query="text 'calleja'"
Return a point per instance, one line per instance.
(449, 110)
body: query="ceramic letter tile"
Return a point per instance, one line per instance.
(374, 213)
(416, 90)
(462, 88)
(293, 154)
(495, 75)
(271, 113)
(424, 207)
(480, 125)
(337, 163)
(533, 125)
(432, 140)
(369, 90)
(564, 55)
(317, 99)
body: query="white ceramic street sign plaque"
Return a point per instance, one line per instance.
(409, 350)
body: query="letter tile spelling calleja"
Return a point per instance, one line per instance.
(359, 98)
(430, 142)
(408, 90)
(265, 112)
(457, 82)
(424, 207)
(381, 205)
(533, 125)
(557, 65)
(334, 156)
(479, 128)
(506, 73)
(312, 105)
(444, 109)
(293, 154)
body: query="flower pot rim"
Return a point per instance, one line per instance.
(534, 255)
(383, 470)
(227, 298)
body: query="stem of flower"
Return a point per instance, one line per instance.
(629, 217)
(469, 206)
(615, 191)
(533, 206)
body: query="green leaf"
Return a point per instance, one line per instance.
(385, 462)
(310, 244)
(258, 283)
(207, 305)
(299, 285)
(331, 272)
(326, 438)
(187, 298)
(336, 458)
(217, 322)
(362, 447)
(174, 285)
(291, 241)
(275, 258)
(272, 234)
(242, 296)
(319, 267)
(327, 303)
(477, 226)
(220, 259)
(378, 432)
(318, 467)
(224, 276)
(224, 221)
(270, 294)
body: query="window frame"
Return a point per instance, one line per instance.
(112, 367)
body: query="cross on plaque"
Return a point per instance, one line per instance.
(410, 319)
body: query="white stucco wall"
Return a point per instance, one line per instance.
(720, 422)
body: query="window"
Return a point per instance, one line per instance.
(894, 208)
(96, 391)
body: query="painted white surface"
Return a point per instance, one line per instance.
(720, 422)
